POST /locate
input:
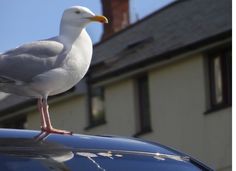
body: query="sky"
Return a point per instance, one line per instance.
(29, 20)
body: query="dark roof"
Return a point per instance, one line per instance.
(178, 27)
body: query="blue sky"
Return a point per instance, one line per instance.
(28, 20)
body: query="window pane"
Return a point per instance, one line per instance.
(97, 105)
(218, 80)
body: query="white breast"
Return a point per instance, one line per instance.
(76, 63)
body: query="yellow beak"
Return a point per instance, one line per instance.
(99, 18)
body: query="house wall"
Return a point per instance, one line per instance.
(178, 103)
(119, 110)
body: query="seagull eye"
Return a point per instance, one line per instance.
(77, 12)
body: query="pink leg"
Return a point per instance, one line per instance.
(40, 109)
(48, 128)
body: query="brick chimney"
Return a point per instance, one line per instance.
(117, 12)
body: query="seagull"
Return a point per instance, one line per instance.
(51, 66)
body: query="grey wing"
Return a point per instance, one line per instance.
(29, 60)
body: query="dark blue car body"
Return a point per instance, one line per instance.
(23, 150)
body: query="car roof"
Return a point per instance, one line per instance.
(62, 148)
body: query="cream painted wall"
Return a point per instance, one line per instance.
(119, 102)
(69, 114)
(178, 103)
(120, 107)
(218, 139)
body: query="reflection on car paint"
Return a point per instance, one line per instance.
(109, 154)
(23, 147)
(121, 153)
(106, 154)
(90, 156)
(51, 155)
(160, 156)
(55, 155)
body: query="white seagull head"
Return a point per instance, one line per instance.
(79, 16)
